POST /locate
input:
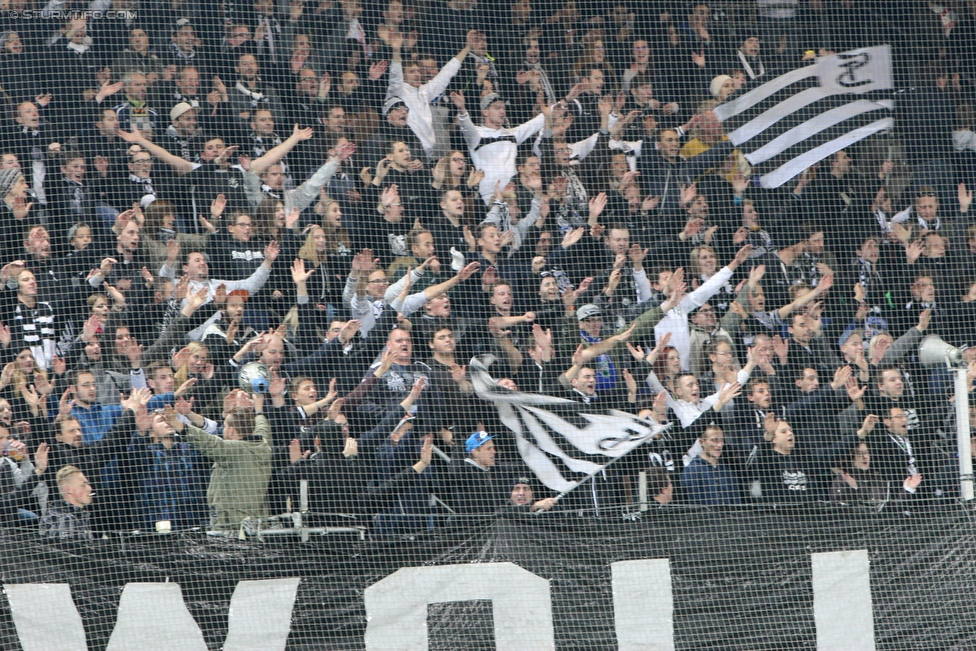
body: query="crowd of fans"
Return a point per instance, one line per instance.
(365, 196)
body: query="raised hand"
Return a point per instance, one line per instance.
(378, 69)
(65, 405)
(468, 270)
(630, 382)
(300, 134)
(41, 458)
(364, 262)
(637, 255)
(781, 347)
(475, 178)
(349, 330)
(841, 376)
(825, 284)
(637, 352)
(854, 392)
(924, 319)
(298, 273)
(458, 100)
(172, 251)
(136, 399)
(596, 205)
(572, 237)
(913, 251)
(965, 198)
(271, 251)
(335, 409)
(489, 277)
(727, 393)
(344, 150)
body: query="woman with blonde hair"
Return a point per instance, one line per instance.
(338, 241)
(325, 285)
(193, 362)
(24, 384)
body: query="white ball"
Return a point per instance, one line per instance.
(254, 378)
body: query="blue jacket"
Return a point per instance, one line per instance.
(97, 421)
(172, 484)
(708, 485)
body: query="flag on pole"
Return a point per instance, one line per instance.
(789, 123)
(562, 441)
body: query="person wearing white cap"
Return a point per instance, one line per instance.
(405, 84)
(721, 87)
(182, 133)
(394, 128)
(493, 146)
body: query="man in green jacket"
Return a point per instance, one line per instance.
(582, 333)
(242, 464)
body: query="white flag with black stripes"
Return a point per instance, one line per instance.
(785, 125)
(563, 442)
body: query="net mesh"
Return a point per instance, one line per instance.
(389, 325)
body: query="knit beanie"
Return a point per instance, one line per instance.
(7, 179)
(716, 86)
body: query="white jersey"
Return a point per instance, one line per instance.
(420, 119)
(495, 151)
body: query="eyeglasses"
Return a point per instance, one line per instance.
(142, 161)
(378, 282)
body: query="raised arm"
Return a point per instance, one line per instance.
(439, 83)
(181, 165)
(259, 166)
(434, 291)
(470, 132)
(395, 86)
(822, 287)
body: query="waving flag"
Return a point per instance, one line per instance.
(563, 442)
(789, 123)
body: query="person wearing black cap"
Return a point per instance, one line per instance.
(523, 497)
(748, 55)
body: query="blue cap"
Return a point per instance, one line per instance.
(476, 440)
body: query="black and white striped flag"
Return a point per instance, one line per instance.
(563, 442)
(789, 123)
